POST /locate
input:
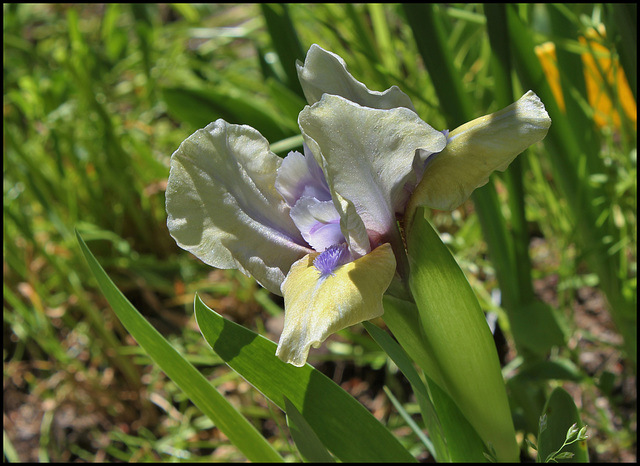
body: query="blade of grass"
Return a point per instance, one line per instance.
(500, 64)
(438, 448)
(8, 449)
(71, 284)
(428, 34)
(285, 41)
(570, 173)
(572, 81)
(623, 18)
(199, 107)
(382, 34)
(410, 422)
(227, 418)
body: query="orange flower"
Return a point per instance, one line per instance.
(601, 71)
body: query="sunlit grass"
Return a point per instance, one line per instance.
(97, 97)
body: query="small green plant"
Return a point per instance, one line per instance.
(574, 434)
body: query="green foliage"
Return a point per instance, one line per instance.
(344, 426)
(457, 337)
(97, 97)
(308, 443)
(561, 434)
(240, 432)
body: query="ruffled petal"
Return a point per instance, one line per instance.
(324, 72)
(318, 305)
(300, 175)
(318, 222)
(368, 154)
(223, 207)
(478, 148)
(352, 227)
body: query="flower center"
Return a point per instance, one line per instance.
(331, 258)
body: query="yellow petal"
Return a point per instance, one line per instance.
(317, 306)
(478, 148)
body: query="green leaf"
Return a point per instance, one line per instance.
(520, 283)
(285, 41)
(623, 18)
(239, 431)
(199, 107)
(409, 420)
(399, 357)
(463, 441)
(342, 424)
(454, 439)
(308, 443)
(560, 369)
(403, 319)
(535, 326)
(559, 415)
(430, 38)
(459, 338)
(527, 400)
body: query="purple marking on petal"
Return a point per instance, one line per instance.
(320, 225)
(331, 258)
(318, 222)
(301, 176)
(324, 235)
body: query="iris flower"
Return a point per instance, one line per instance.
(320, 228)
